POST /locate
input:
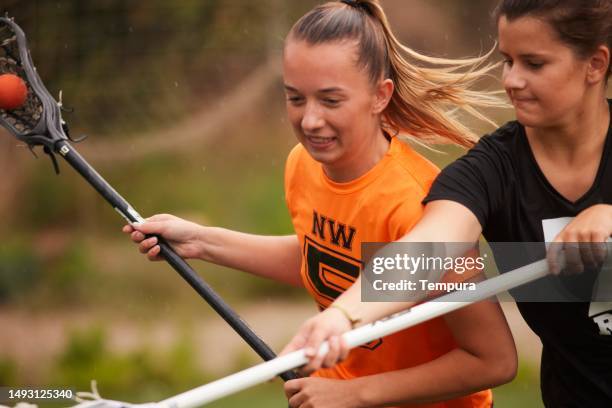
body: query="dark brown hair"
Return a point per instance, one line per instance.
(583, 25)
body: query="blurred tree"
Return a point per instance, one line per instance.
(117, 60)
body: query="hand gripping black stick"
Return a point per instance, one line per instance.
(39, 123)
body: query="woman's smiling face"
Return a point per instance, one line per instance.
(331, 104)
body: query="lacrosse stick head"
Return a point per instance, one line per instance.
(105, 403)
(38, 122)
(92, 399)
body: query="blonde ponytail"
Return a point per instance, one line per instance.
(429, 92)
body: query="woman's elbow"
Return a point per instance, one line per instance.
(502, 369)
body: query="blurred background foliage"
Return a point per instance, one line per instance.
(184, 109)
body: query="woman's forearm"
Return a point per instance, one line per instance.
(273, 257)
(455, 374)
(443, 221)
(485, 357)
(367, 312)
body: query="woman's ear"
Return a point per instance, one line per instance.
(384, 91)
(598, 65)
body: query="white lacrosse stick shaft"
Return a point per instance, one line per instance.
(418, 314)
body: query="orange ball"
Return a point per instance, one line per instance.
(13, 91)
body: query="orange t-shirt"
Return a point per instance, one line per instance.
(331, 221)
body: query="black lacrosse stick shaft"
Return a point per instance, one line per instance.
(193, 279)
(39, 123)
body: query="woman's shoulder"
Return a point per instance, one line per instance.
(296, 153)
(504, 136)
(501, 146)
(298, 158)
(414, 168)
(294, 166)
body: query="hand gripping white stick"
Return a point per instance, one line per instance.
(418, 314)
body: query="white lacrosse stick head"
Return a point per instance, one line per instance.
(93, 399)
(104, 403)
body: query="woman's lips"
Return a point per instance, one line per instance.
(523, 99)
(319, 141)
(523, 102)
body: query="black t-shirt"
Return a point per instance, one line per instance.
(500, 181)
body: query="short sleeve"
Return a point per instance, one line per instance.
(476, 180)
(404, 218)
(290, 176)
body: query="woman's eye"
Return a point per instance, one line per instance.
(507, 62)
(295, 99)
(534, 65)
(331, 101)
